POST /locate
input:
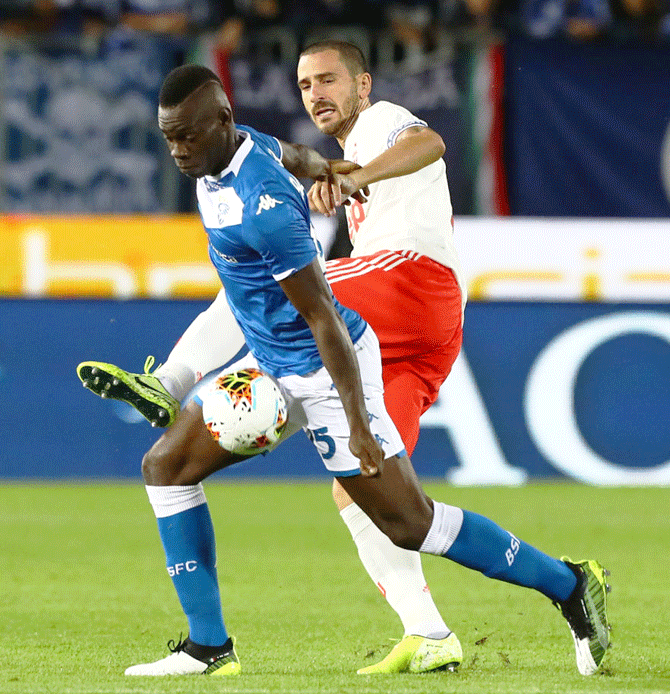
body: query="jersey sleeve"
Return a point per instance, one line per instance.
(279, 229)
(266, 142)
(400, 119)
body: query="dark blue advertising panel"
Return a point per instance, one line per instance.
(587, 128)
(541, 390)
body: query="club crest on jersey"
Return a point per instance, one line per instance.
(223, 210)
(266, 202)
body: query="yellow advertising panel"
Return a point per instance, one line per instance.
(114, 256)
(503, 259)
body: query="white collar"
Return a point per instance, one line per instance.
(239, 157)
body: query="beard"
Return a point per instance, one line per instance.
(331, 127)
(347, 114)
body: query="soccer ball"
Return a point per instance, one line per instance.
(245, 411)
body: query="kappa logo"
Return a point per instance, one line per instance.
(267, 203)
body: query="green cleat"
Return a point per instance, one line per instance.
(419, 654)
(586, 613)
(143, 391)
(188, 658)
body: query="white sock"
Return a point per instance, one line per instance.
(398, 574)
(210, 341)
(176, 378)
(447, 522)
(170, 500)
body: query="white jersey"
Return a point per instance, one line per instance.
(405, 213)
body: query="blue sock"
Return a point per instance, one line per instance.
(486, 547)
(188, 540)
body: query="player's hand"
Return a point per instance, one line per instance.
(325, 196)
(342, 166)
(370, 454)
(335, 188)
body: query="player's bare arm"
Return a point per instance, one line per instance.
(308, 291)
(415, 148)
(304, 162)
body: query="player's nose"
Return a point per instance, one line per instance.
(179, 150)
(316, 93)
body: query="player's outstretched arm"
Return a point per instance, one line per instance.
(415, 148)
(305, 162)
(308, 291)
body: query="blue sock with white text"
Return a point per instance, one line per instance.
(190, 550)
(486, 547)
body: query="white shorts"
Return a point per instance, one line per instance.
(315, 406)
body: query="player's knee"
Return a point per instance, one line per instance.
(162, 466)
(151, 468)
(407, 533)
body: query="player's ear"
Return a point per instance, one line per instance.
(364, 85)
(225, 115)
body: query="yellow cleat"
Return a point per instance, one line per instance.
(143, 391)
(586, 613)
(419, 654)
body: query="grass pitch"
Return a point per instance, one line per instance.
(84, 593)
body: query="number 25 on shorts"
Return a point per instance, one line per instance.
(319, 437)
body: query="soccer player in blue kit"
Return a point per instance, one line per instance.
(328, 363)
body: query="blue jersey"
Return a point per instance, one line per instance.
(257, 219)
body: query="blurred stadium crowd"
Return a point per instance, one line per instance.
(79, 81)
(416, 26)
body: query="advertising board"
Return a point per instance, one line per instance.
(541, 390)
(502, 258)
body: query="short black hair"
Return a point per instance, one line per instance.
(182, 82)
(351, 55)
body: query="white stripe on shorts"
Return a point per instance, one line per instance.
(361, 266)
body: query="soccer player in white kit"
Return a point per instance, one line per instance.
(403, 275)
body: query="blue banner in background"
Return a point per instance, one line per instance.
(587, 128)
(78, 122)
(79, 125)
(541, 390)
